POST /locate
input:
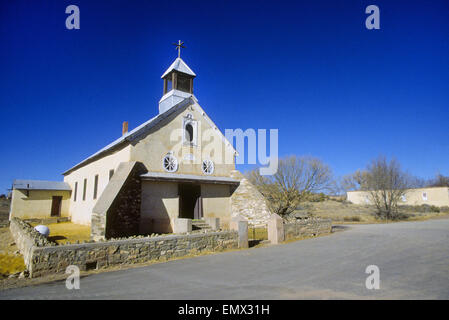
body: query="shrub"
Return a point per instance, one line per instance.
(444, 209)
(434, 209)
(424, 208)
(317, 197)
(353, 218)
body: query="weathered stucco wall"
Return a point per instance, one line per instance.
(159, 206)
(37, 205)
(167, 136)
(81, 210)
(217, 203)
(438, 196)
(150, 150)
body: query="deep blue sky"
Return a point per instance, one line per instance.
(309, 68)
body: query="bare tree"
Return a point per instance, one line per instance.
(387, 184)
(355, 181)
(295, 179)
(440, 181)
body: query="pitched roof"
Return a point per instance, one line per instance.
(181, 66)
(40, 185)
(144, 127)
(131, 135)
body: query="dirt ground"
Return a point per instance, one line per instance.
(11, 261)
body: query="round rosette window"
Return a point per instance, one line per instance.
(208, 167)
(170, 163)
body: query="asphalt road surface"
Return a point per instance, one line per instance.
(412, 257)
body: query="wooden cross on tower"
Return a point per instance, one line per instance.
(179, 45)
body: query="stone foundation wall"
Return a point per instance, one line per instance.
(307, 228)
(42, 257)
(248, 202)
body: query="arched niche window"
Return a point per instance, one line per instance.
(189, 130)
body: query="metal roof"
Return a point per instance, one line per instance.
(40, 185)
(181, 66)
(157, 176)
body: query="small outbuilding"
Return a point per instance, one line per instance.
(39, 199)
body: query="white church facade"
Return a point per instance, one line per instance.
(178, 164)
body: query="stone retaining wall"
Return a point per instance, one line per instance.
(26, 238)
(307, 228)
(41, 258)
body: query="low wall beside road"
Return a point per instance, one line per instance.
(43, 257)
(307, 228)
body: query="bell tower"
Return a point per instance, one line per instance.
(178, 82)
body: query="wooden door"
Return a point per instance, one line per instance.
(56, 206)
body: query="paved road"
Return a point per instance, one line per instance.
(413, 258)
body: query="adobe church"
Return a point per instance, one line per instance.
(176, 165)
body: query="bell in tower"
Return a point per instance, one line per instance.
(178, 82)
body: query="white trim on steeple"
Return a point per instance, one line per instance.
(181, 66)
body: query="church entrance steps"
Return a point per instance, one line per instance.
(200, 224)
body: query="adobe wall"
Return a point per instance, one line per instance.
(81, 210)
(433, 196)
(167, 136)
(36, 204)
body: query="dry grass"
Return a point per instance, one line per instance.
(64, 232)
(347, 213)
(258, 233)
(10, 260)
(11, 264)
(341, 212)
